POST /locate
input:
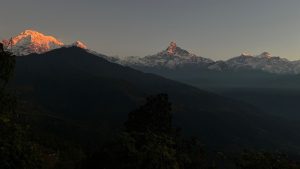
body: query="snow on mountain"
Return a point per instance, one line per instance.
(79, 44)
(264, 62)
(218, 66)
(296, 67)
(171, 58)
(265, 55)
(172, 48)
(174, 57)
(31, 41)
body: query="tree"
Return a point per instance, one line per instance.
(7, 101)
(151, 127)
(7, 64)
(147, 141)
(264, 160)
(16, 151)
(154, 116)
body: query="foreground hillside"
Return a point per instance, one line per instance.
(72, 86)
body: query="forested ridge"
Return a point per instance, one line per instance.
(148, 139)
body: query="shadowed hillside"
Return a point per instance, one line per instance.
(73, 85)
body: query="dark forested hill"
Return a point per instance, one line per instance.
(72, 86)
(276, 94)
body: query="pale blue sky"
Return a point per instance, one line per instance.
(217, 29)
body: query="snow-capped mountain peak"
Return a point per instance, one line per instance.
(171, 58)
(31, 41)
(265, 55)
(246, 54)
(79, 44)
(172, 48)
(174, 51)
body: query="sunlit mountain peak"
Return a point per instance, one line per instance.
(79, 44)
(172, 48)
(31, 41)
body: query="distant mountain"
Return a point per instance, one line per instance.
(268, 82)
(171, 58)
(176, 58)
(263, 62)
(71, 84)
(31, 41)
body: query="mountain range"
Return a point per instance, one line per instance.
(182, 59)
(173, 57)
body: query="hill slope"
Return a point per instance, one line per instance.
(74, 85)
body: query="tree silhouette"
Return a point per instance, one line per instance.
(7, 101)
(154, 116)
(264, 160)
(147, 141)
(7, 64)
(16, 151)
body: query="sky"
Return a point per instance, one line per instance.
(217, 29)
